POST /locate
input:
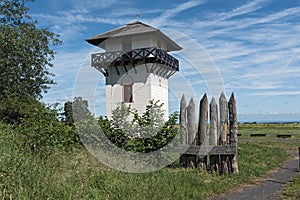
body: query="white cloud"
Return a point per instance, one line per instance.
(165, 18)
(87, 4)
(276, 93)
(244, 9)
(133, 12)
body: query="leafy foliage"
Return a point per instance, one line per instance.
(13, 108)
(25, 56)
(68, 113)
(41, 128)
(144, 133)
(78, 109)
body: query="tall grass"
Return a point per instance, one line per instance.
(77, 175)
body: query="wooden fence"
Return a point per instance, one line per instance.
(213, 151)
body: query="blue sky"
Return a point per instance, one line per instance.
(249, 47)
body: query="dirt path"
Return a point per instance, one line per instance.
(269, 187)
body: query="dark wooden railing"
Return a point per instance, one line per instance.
(153, 55)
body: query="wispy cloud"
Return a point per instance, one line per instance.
(250, 56)
(242, 10)
(87, 4)
(276, 93)
(165, 18)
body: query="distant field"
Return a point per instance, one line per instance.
(270, 129)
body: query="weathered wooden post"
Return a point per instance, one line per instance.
(183, 129)
(213, 134)
(233, 131)
(213, 128)
(182, 120)
(191, 121)
(223, 130)
(191, 127)
(223, 118)
(202, 128)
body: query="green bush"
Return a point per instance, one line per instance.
(41, 128)
(13, 108)
(144, 133)
(37, 126)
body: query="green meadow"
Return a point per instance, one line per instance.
(75, 174)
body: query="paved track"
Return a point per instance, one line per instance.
(270, 186)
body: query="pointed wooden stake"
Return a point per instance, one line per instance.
(203, 118)
(223, 131)
(223, 119)
(213, 134)
(202, 129)
(191, 160)
(183, 129)
(191, 121)
(213, 127)
(182, 121)
(233, 131)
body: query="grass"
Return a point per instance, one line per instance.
(77, 175)
(292, 191)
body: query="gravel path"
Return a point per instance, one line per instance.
(270, 186)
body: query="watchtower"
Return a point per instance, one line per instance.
(136, 65)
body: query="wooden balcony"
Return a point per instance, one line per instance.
(148, 55)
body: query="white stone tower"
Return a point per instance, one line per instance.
(136, 65)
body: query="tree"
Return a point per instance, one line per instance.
(68, 113)
(76, 109)
(25, 58)
(25, 53)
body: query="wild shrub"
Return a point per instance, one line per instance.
(38, 126)
(145, 133)
(41, 128)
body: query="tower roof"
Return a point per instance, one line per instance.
(135, 28)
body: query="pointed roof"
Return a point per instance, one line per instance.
(131, 29)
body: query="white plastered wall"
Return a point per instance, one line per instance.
(147, 86)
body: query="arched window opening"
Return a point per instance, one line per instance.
(127, 84)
